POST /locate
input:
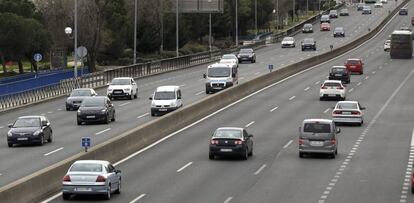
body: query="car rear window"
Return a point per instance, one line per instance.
(338, 70)
(353, 62)
(228, 133)
(86, 167)
(347, 106)
(332, 84)
(317, 128)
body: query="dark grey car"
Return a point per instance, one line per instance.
(76, 96)
(246, 55)
(96, 109)
(339, 32)
(231, 141)
(29, 130)
(318, 136)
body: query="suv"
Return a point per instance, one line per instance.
(325, 19)
(246, 54)
(344, 12)
(318, 136)
(122, 87)
(307, 28)
(93, 109)
(355, 65)
(340, 73)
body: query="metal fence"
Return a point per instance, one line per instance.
(100, 79)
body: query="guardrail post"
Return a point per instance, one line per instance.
(148, 65)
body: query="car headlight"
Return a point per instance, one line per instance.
(37, 132)
(173, 104)
(79, 111)
(127, 90)
(109, 90)
(9, 134)
(103, 111)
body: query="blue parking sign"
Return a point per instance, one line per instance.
(270, 67)
(86, 142)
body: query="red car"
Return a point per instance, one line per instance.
(412, 183)
(412, 21)
(355, 65)
(325, 27)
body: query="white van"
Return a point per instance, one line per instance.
(165, 99)
(220, 76)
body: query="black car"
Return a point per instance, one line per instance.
(231, 141)
(246, 55)
(29, 130)
(307, 28)
(308, 43)
(339, 32)
(403, 11)
(344, 12)
(340, 73)
(96, 109)
(76, 96)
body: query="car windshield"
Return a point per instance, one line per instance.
(367, 8)
(338, 70)
(93, 102)
(246, 51)
(80, 93)
(27, 122)
(307, 26)
(218, 72)
(164, 95)
(344, 10)
(308, 40)
(120, 81)
(353, 62)
(332, 84)
(317, 128)
(333, 12)
(288, 39)
(228, 133)
(227, 57)
(86, 167)
(347, 106)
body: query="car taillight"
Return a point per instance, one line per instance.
(238, 142)
(324, 87)
(100, 179)
(66, 178)
(337, 112)
(300, 141)
(356, 113)
(214, 141)
(333, 141)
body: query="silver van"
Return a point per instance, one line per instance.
(318, 136)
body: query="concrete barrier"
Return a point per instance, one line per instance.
(46, 182)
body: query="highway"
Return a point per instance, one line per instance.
(371, 165)
(22, 161)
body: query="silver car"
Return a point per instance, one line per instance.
(91, 177)
(348, 112)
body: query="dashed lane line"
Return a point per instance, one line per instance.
(126, 103)
(287, 144)
(138, 198)
(249, 124)
(143, 115)
(185, 166)
(228, 200)
(54, 151)
(198, 93)
(271, 110)
(100, 132)
(260, 169)
(291, 98)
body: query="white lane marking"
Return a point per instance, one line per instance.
(1, 127)
(260, 169)
(56, 150)
(359, 84)
(138, 198)
(42, 114)
(182, 85)
(307, 88)
(249, 124)
(291, 98)
(50, 112)
(100, 132)
(271, 110)
(373, 72)
(198, 93)
(257, 73)
(326, 111)
(59, 109)
(185, 166)
(317, 82)
(241, 78)
(366, 78)
(412, 139)
(287, 144)
(350, 90)
(143, 115)
(228, 200)
(126, 103)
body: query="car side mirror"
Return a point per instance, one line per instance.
(10, 125)
(117, 171)
(108, 83)
(134, 83)
(250, 135)
(338, 130)
(233, 75)
(179, 97)
(45, 123)
(151, 97)
(204, 75)
(362, 108)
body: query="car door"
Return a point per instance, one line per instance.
(248, 140)
(179, 99)
(110, 108)
(47, 130)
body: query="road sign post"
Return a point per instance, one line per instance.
(270, 67)
(37, 57)
(86, 143)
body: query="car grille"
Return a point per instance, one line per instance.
(22, 134)
(162, 106)
(77, 102)
(84, 112)
(118, 91)
(217, 85)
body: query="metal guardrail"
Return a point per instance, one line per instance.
(100, 79)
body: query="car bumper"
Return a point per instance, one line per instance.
(347, 119)
(322, 150)
(343, 79)
(23, 140)
(84, 189)
(218, 86)
(159, 110)
(92, 118)
(287, 45)
(74, 106)
(227, 150)
(356, 69)
(117, 95)
(308, 47)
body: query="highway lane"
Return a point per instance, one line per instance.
(275, 172)
(135, 112)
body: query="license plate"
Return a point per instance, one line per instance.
(338, 74)
(22, 138)
(162, 109)
(83, 189)
(117, 92)
(332, 95)
(353, 66)
(346, 113)
(90, 116)
(316, 143)
(226, 150)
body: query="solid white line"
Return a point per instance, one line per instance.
(1, 127)
(100, 132)
(49, 112)
(47, 154)
(138, 198)
(228, 200)
(292, 98)
(185, 166)
(412, 139)
(249, 124)
(198, 93)
(125, 104)
(260, 169)
(271, 110)
(307, 88)
(326, 111)
(287, 144)
(143, 115)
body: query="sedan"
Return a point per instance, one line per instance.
(230, 58)
(231, 141)
(387, 45)
(325, 27)
(308, 43)
(340, 73)
(288, 42)
(246, 55)
(366, 10)
(95, 109)
(307, 28)
(348, 112)
(344, 12)
(91, 177)
(378, 5)
(403, 11)
(333, 14)
(339, 32)
(76, 96)
(332, 89)
(29, 130)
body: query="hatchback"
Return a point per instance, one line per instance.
(76, 96)
(355, 65)
(333, 14)
(339, 32)
(307, 28)
(366, 10)
(308, 43)
(30, 130)
(332, 89)
(348, 112)
(231, 141)
(403, 11)
(96, 109)
(340, 73)
(325, 27)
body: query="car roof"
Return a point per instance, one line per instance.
(229, 128)
(83, 88)
(320, 120)
(96, 97)
(347, 102)
(338, 67)
(246, 49)
(229, 55)
(92, 161)
(308, 39)
(288, 38)
(123, 78)
(354, 59)
(218, 65)
(405, 32)
(31, 116)
(167, 88)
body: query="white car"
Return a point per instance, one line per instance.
(332, 89)
(122, 87)
(348, 112)
(229, 58)
(288, 42)
(378, 5)
(384, 1)
(387, 45)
